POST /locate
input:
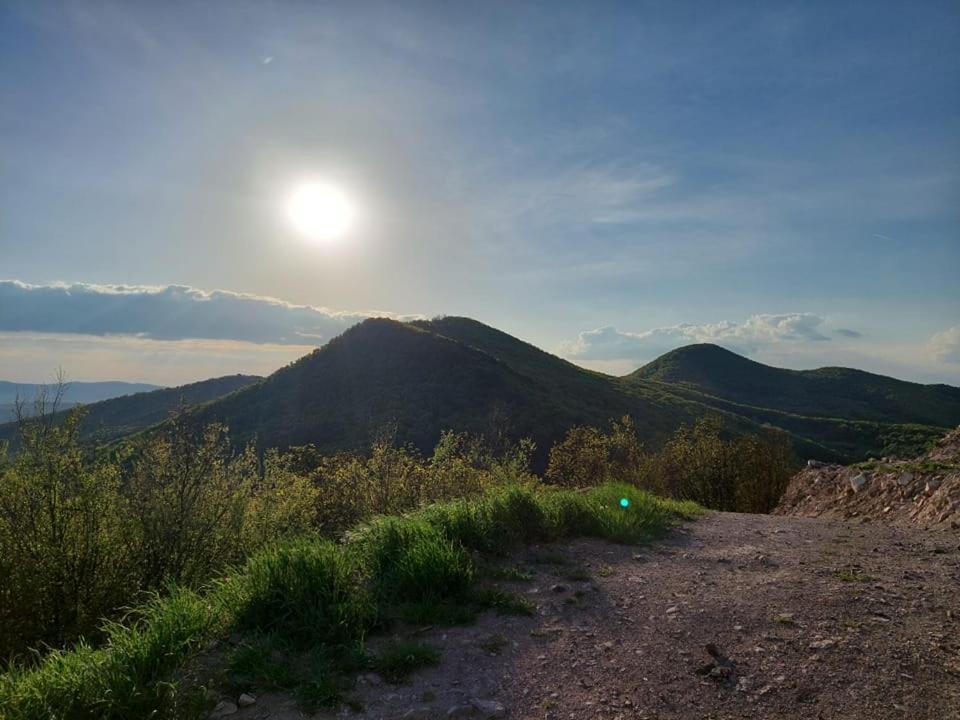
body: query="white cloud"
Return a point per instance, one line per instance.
(945, 346)
(758, 331)
(170, 312)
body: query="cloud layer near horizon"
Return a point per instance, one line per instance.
(945, 346)
(170, 312)
(608, 343)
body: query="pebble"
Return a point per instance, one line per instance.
(223, 709)
(490, 708)
(246, 700)
(419, 713)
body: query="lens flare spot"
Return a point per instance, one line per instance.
(624, 502)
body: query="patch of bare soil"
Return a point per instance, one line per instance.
(732, 616)
(923, 492)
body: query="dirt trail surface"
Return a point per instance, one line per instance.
(732, 616)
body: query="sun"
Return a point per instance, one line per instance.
(320, 211)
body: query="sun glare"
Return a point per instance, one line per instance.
(320, 211)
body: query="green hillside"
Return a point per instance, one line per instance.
(109, 420)
(827, 392)
(425, 377)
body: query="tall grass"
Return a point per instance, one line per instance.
(320, 594)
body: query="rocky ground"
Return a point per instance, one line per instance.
(921, 492)
(732, 616)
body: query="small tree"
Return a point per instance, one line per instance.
(64, 546)
(188, 499)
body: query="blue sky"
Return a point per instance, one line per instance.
(605, 180)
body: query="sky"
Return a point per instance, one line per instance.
(605, 180)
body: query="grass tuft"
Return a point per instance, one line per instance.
(399, 659)
(503, 603)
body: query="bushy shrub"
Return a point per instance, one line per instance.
(588, 456)
(746, 473)
(392, 479)
(83, 533)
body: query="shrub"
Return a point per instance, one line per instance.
(587, 456)
(747, 473)
(82, 533)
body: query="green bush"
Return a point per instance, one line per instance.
(83, 533)
(745, 473)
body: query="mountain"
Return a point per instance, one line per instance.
(75, 393)
(420, 378)
(833, 392)
(114, 418)
(425, 377)
(455, 373)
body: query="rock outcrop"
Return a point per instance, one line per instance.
(922, 492)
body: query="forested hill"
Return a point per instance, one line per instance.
(827, 392)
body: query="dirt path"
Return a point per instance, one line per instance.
(806, 618)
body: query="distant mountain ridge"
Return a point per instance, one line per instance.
(76, 392)
(454, 373)
(117, 417)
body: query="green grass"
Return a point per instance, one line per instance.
(305, 606)
(848, 575)
(399, 659)
(503, 603)
(510, 573)
(494, 644)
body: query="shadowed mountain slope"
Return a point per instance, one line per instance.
(422, 378)
(831, 392)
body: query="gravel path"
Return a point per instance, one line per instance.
(732, 616)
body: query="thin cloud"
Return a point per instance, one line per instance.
(169, 312)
